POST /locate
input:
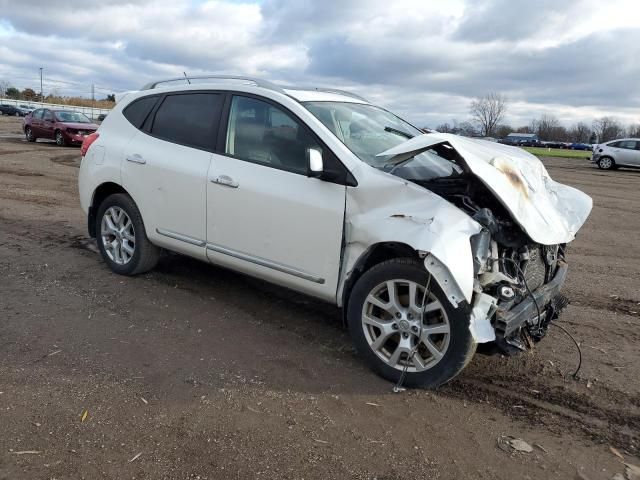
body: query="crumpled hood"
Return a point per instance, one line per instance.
(548, 211)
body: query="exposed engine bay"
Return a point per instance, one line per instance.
(508, 266)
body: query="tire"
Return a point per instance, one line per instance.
(29, 134)
(606, 163)
(144, 255)
(457, 346)
(60, 141)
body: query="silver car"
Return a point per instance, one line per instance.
(624, 152)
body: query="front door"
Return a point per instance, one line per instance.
(46, 127)
(265, 216)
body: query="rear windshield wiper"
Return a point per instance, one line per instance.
(398, 132)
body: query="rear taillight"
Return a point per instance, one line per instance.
(88, 140)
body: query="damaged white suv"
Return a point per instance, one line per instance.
(430, 243)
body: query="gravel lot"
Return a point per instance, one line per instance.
(193, 371)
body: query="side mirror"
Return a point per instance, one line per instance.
(314, 161)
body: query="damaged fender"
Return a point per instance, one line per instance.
(390, 209)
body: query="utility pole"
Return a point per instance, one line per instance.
(41, 95)
(93, 98)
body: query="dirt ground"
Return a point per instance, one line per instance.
(195, 372)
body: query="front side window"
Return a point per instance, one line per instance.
(262, 133)
(628, 144)
(368, 130)
(189, 119)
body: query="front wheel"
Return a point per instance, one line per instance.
(384, 316)
(606, 163)
(122, 238)
(29, 134)
(60, 141)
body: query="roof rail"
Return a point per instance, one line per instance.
(330, 90)
(258, 82)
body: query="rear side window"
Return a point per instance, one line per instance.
(138, 110)
(189, 119)
(37, 114)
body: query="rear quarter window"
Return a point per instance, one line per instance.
(138, 110)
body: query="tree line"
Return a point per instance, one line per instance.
(30, 95)
(487, 114)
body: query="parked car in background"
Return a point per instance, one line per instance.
(26, 108)
(522, 140)
(580, 146)
(6, 109)
(324, 193)
(64, 126)
(624, 152)
(101, 117)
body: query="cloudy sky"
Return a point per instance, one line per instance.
(424, 59)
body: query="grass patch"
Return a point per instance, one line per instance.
(558, 152)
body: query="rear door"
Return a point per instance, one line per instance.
(165, 167)
(265, 216)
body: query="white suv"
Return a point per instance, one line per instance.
(430, 243)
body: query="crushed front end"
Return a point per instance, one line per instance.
(526, 219)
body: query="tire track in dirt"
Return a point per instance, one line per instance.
(617, 424)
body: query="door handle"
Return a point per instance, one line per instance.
(136, 158)
(225, 180)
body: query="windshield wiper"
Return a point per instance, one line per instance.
(398, 132)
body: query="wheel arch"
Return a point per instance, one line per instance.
(99, 194)
(375, 254)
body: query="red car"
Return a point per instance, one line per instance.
(63, 126)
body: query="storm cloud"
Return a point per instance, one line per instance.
(425, 60)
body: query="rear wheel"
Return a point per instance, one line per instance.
(122, 238)
(384, 315)
(606, 163)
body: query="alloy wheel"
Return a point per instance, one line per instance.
(395, 331)
(59, 138)
(605, 163)
(118, 235)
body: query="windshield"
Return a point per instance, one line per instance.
(74, 117)
(367, 130)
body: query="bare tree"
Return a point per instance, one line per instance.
(580, 133)
(547, 127)
(445, 128)
(467, 129)
(607, 128)
(487, 112)
(633, 130)
(4, 86)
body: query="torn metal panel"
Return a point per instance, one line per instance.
(549, 212)
(389, 209)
